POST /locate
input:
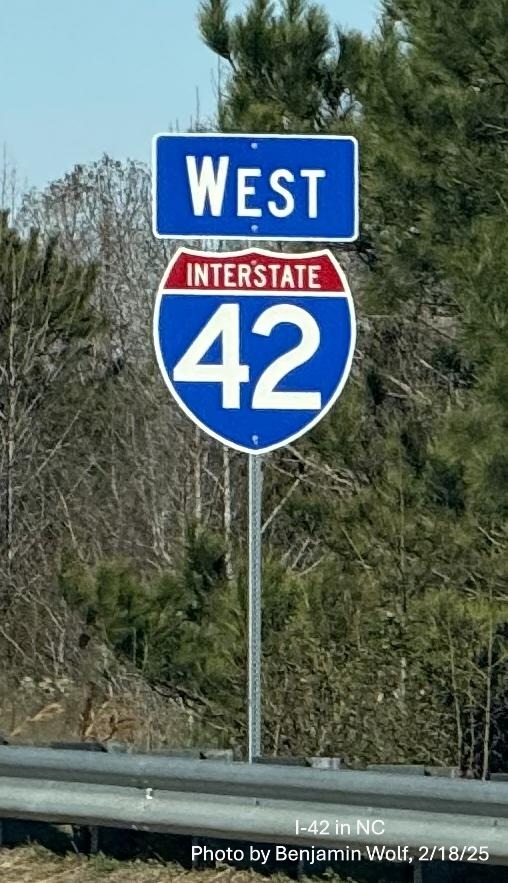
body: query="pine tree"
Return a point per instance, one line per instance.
(411, 464)
(48, 332)
(288, 70)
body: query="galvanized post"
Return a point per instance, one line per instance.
(255, 495)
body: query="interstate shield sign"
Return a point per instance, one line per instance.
(254, 345)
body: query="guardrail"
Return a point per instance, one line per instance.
(237, 801)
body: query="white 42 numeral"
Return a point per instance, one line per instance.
(225, 323)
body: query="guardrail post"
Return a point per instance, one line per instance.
(94, 840)
(434, 872)
(197, 863)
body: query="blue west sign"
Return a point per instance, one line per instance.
(262, 187)
(255, 346)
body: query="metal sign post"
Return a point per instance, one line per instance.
(254, 613)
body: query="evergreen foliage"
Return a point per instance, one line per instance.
(416, 554)
(49, 331)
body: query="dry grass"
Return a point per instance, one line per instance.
(124, 708)
(31, 864)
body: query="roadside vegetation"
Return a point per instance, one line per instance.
(123, 527)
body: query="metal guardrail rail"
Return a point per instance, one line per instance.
(245, 780)
(237, 801)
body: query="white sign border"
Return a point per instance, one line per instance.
(249, 235)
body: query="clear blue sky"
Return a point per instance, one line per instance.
(82, 77)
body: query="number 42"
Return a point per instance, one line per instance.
(225, 323)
